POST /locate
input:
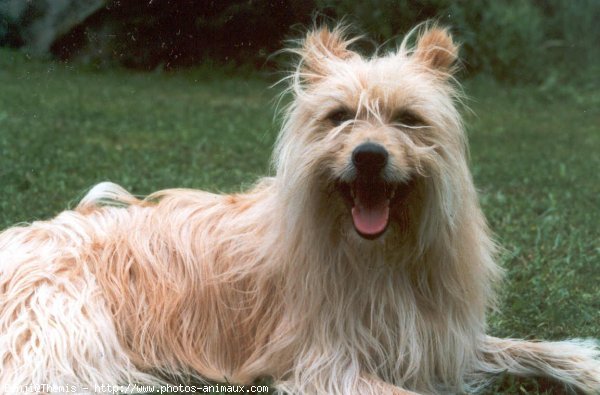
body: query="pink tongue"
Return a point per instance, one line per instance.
(373, 219)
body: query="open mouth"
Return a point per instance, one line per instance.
(369, 201)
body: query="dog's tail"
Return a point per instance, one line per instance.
(107, 194)
(576, 363)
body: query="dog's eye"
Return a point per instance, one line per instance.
(408, 118)
(339, 116)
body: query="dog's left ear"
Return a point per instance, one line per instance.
(436, 49)
(320, 50)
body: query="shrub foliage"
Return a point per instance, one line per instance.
(511, 39)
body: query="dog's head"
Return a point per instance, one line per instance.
(374, 141)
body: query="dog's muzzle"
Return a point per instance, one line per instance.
(368, 194)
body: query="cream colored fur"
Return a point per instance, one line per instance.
(276, 282)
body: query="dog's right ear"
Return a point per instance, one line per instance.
(321, 49)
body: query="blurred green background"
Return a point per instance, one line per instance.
(511, 40)
(158, 94)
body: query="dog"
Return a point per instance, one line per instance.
(363, 266)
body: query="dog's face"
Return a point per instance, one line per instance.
(374, 131)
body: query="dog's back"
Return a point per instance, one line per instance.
(121, 283)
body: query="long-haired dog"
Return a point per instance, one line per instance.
(364, 266)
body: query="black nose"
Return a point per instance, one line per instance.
(369, 158)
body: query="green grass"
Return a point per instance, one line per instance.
(534, 153)
(62, 130)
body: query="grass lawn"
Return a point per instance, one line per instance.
(534, 153)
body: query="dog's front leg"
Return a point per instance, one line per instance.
(370, 384)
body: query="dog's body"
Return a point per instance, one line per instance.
(364, 266)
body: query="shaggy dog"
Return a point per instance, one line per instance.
(364, 266)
